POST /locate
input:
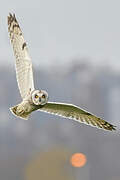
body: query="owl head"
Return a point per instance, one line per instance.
(39, 97)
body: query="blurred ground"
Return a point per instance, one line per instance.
(42, 147)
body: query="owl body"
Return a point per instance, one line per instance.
(35, 100)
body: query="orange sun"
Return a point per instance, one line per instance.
(78, 160)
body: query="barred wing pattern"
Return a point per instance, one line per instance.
(23, 62)
(73, 112)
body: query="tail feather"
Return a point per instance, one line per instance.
(22, 116)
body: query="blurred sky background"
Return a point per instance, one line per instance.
(65, 29)
(75, 50)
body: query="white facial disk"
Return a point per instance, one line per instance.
(39, 97)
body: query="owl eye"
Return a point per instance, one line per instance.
(36, 96)
(43, 96)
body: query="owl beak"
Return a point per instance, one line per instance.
(39, 99)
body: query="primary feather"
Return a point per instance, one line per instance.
(23, 62)
(73, 112)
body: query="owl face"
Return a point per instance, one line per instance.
(39, 97)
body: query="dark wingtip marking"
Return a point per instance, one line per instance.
(24, 45)
(15, 25)
(113, 128)
(109, 126)
(12, 18)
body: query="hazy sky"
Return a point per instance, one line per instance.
(61, 30)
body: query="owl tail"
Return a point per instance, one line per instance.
(22, 116)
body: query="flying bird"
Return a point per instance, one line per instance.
(33, 99)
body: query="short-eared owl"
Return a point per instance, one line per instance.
(33, 99)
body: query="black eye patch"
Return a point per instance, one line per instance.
(43, 96)
(36, 96)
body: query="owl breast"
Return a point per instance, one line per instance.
(25, 108)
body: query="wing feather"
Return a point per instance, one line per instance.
(74, 112)
(23, 64)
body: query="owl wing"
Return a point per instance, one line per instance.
(73, 112)
(23, 62)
